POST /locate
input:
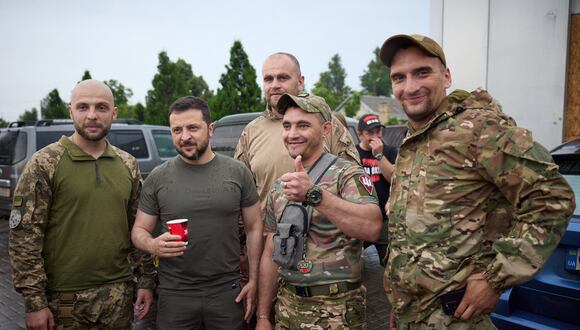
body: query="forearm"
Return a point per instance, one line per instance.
(361, 221)
(29, 277)
(268, 284)
(254, 249)
(540, 222)
(142, 239)
(386, 168)
(143, 267)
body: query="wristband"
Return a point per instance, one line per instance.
(378, 156)
(263, 317)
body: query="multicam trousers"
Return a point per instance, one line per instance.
(108, 306)
(341, 311)
(439, 320)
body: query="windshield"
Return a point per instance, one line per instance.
(12, 147)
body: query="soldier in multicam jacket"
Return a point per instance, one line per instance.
(475, 203)
(70, 244)
(325, 290)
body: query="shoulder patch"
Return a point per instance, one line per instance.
(364, 181)
(15, 218)
(18, 201)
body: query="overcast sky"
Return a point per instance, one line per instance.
(49, 44)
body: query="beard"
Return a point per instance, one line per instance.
(425, 112)
(199, 151)
(92, 136)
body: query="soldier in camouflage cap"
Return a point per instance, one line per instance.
(324, 290)
(475, 203)
(260, 146)
(73, 210)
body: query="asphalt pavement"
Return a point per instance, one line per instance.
(12, 304)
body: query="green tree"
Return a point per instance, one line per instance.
(172, 81)
(139, 112)
(376, 79)
(52, 106)
(121, 95)
(239, 91)
(86, 75)
(331, 85)
(353, 104)
(29, 115)
(3, 123)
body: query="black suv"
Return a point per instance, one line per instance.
(151, 145)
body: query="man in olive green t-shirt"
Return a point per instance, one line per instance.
(199, 278)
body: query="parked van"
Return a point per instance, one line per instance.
(151, 145)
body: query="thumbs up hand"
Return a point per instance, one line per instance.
(297, 183)
(298, 164)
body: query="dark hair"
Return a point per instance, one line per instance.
(191, 103)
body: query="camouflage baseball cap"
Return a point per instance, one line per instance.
(306, 102)
(396, 42)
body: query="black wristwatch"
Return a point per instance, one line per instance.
(378, 156)
(313, 196)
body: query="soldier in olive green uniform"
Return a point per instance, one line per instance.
(325, 290)
(70, 244)
(475, 203)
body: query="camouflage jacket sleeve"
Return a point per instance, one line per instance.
(240, 153)
(541, 198)
(142, 263)
(340, 143)
(28, 221)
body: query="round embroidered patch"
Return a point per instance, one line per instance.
(15, 218)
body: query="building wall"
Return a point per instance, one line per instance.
(516, 49)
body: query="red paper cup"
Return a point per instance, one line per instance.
(178, 227)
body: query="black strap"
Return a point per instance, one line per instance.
(316, 172)
(320, 167)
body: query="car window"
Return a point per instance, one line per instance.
(131, 141)
(45, 138)
(228, 135)
(164, 143)
(12, 146)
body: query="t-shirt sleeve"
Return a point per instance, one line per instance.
(148, 200)
(356, 186)
(391, 153)
(249, 191)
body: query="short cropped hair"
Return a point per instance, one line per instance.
(191, 103)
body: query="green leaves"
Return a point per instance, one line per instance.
(239, 91)
(376, 80)
(52, 106)
(172, 81)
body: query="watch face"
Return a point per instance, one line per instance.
(314, 195)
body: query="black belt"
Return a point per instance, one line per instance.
(322, 290)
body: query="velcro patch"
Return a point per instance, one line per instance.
(366, 183)
(18, 201)
(15, 218)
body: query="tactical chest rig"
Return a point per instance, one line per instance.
(292, 229)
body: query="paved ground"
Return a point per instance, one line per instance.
(12, 306)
